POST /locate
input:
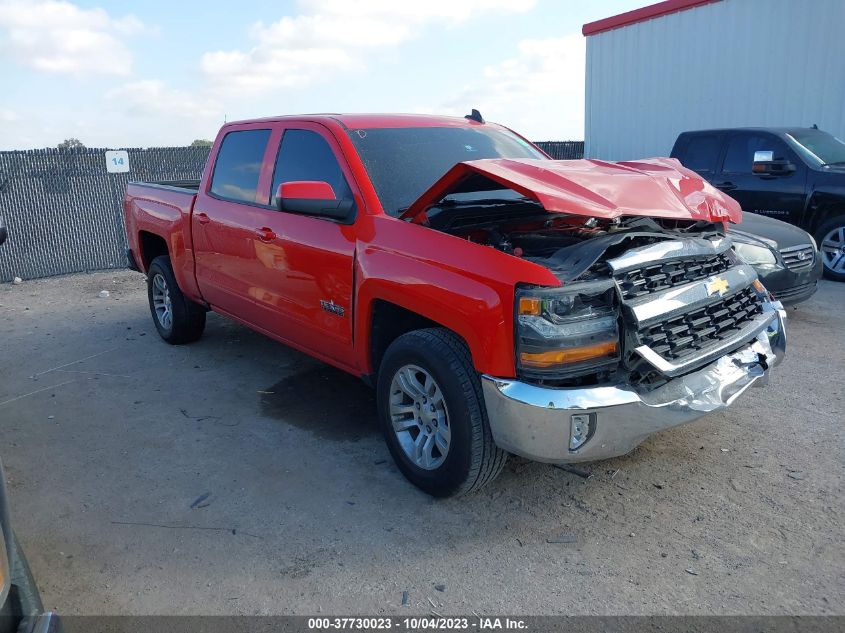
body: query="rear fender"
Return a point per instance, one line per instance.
(173, 225)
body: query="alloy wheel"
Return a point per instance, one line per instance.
(420, 417)
(832, 249)
(161, 301)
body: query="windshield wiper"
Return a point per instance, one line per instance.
(836, 162)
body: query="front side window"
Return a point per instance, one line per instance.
(305, 155)
(238, 165)
(741, 148)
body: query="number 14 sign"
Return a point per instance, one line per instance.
(117, 162)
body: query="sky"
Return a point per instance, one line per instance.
(158, 73)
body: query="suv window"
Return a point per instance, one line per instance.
(741, 147)
(305, 155)
(238, 165)
(701, 152)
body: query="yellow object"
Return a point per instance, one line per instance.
(530, 305)
(718, 284)
(564, 356)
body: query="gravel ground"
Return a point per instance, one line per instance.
(236, 476)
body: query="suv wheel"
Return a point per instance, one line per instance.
(830, 237)
(432, 414)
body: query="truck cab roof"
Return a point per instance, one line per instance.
(773, 130)
(372, 120)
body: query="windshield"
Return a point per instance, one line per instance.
(404, 162)
(820, 147)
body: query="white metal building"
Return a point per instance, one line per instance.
(695, 64)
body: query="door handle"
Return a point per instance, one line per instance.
(203, 218)
(265, 235)
(725, 186)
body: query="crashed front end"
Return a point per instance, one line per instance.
(695, 330)
(655, 322)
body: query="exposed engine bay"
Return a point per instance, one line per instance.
(572, 247)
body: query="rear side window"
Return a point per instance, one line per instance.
(238, 165)
(741, 148)
(701, 153)
(305, 155)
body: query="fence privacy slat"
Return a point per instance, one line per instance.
(64, 211)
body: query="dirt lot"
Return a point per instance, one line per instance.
(236, 476)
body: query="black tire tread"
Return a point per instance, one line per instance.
(188, 317)
(488, 460)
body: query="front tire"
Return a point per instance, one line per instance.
(432, 413)
(177, 319)
(830, 237)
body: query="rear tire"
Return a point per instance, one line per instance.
(830, 236)
(432, 413)
(177, 319)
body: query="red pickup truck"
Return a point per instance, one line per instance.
(499, 301)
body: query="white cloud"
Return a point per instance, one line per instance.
(60, 37)
(334, 35)
(539, 93)
(153, 98)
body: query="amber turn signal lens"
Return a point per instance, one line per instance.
(529, 305)
(758, 286)
(564, 356)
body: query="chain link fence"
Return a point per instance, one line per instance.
(562, 150)
(64, 210)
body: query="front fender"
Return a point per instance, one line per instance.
(465, 287)
(822, 199)
(477, 312)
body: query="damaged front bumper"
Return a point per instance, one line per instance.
(538, 422)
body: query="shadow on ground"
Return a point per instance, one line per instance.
(328, 402)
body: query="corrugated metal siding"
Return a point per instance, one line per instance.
(727, 64)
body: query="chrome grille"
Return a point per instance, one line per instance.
(799, 257)
(669, 273)
(699, 329)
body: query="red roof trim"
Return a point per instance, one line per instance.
(641, 15)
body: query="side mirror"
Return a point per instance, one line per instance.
(312, 197)
(765, 164)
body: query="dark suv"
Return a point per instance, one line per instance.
(793, 174)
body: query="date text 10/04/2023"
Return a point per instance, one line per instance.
(417, 623)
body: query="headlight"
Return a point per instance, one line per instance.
(755, 255)
(566, 331)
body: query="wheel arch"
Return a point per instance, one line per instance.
(822, 206)
(151, 246)
(477, 319)
(387, 322)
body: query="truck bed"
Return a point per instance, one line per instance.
(162, 209)
(188, 185)
(175, 194)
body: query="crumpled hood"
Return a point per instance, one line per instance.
(653, 187)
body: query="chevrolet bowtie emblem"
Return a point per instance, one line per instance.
(717, 284)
